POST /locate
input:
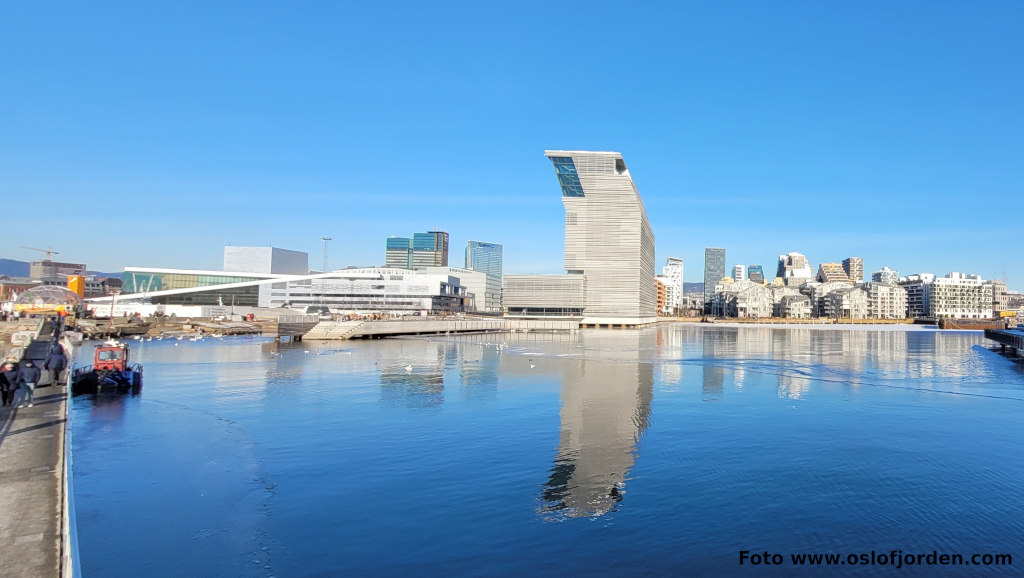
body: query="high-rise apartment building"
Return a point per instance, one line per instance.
(886, 275)
(484, 257)
(714, 270)
(854, 268)
(794, 269)
(755, 273)
(832, 273)
(672, 276)
(739, 273)
(422, 250)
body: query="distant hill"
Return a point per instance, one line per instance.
(14, 268)
(689, 288)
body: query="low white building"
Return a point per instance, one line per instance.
(960, 296)
(543, 295)
(794, 306)
(372, 290)
(819, 291)
(484, 289)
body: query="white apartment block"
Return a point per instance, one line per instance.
(886, 275)
(743, 299)
(672, 276)
(794, 306)
(886, 301)
(739, 272)
(960, 296)
(819, 291)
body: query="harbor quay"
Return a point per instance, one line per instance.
(33, 530)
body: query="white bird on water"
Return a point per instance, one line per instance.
(408, 368)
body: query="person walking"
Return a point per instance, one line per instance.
(55, 363)
(29, 377)
(8, 383)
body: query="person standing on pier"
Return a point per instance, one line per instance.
(29, 377)
(8, 383)
(55, 363)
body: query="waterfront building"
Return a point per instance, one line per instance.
(609, 244)
(886, 275)
(818, 292)
(831, 273)
(714, 270)
(854, 269)
(916, 287)
(266, 260)
(543, 295)
(428, 249)
(794, 306)
(846, 303)
(11, 287)
(659, 300)
(794, 269)
(1000, 301)
(483, 290)
(193, 287)
(739, 273)
(374, 290)
(743, 299)
(485, 257)
(886, 301)
(672, 276)
(960, 296)
(755, 273)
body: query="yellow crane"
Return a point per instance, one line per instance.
(47, 250)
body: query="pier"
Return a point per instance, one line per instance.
(380, 328)
(1007, 338)
(36, 534)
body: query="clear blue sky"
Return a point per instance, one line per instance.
(153, 134)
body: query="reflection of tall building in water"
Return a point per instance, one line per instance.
(606, 405)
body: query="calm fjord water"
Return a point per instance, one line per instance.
(658, 451)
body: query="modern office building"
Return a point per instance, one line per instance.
(714, 270)
(543, 295)
(193, 287)
(854, 269)
(482, 290)
(886, 275)
(266, 260)
(53, 271)
(960, 296)
(428, 249)
(484, 257)
(739, 273)
(609, 243)
(755, 273)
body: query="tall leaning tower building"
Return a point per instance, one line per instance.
(608, 239)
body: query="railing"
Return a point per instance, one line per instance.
(70, 565)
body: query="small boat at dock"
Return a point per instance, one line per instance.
(111, 370)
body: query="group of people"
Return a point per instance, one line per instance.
(26, 376)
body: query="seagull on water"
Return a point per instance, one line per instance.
(408, 368)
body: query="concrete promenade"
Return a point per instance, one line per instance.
(31, 477)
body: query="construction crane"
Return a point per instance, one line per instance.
(47, 250)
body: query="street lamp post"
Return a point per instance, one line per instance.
(324, 270)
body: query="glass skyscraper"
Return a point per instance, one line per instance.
(428, 249)
(755, 273)
(484, 257)
(714, 270)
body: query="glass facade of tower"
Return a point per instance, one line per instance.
(755, 273)
(484, 257)
(714, 270)
(428, 249)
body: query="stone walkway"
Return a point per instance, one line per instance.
(31, 471)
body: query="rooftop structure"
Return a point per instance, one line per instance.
(886, 275)
(266, 260)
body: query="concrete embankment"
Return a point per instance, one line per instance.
(33, 534)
